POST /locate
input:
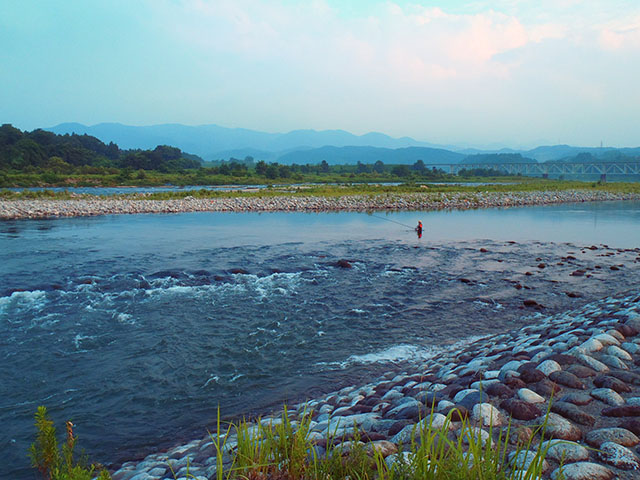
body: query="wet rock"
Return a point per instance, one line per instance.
(546, 388)
(520, 409)
(531, 375)
(238, 271)
(487, 415)
(581, 371)
(529, 302)
(530, 396)
(608, 396)
(621, 436)
(562, 450)
(567, 379)
(560, 428)
(609, 381)
(630, 378)
(576, 398)
(578, 273)
(623, 411)
(342, 263)
(631, 424)
(563, 359)
(499, 390)
(514, 383)
(582, 471)
(572, 412)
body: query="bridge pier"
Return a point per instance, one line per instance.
(603, 178)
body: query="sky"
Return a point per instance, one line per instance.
(481, 73)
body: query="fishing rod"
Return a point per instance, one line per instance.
(389, 220)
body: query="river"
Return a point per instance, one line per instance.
(137, 327)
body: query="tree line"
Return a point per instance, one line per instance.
(41, 150)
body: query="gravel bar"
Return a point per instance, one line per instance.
(89, 206)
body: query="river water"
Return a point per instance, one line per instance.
(137, 327)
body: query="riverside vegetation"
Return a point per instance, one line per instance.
(283, 448)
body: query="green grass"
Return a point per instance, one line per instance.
(523, 185)
(283, 449)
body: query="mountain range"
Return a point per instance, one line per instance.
(213, 142)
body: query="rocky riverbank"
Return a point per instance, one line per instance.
(581, 364)
(88, 206)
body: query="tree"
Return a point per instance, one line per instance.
(378, 167)
(324, 166)
(261, 168)
(272, 171)
(401, 171)
(419, 166)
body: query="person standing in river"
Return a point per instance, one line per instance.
(419, 229)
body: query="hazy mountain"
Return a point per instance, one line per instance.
(212, 141)
(351, 155)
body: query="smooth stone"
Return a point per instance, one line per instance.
(463, 393)
(631, 348)
(487, 415)
(633, 401)
(618, 456)
(631, 424)
(476, 435)
(559, 427)
(523, 459)
(616, 351)
(592, 345)
(613, 362)
(549, 366)
(582, 471)
(531, 375)
(621, 436)
(520, 409)
(592, 363)
(546, 388)
(472, 399)
(630, 378)
(581, 371)
(491, 374)
(512, 365)
(622, 411)
(609, 381)
(567, 379)
(530, 396)
(608, 396)
(577, 398)
(499, 390)
(605, 339)
(383, 447)
(572, 412)
(616, 334)
(562, 450)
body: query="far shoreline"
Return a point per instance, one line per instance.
(42, 208)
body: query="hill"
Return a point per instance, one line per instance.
(212, 142)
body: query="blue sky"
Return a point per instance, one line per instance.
(505, 72)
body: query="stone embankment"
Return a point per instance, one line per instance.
(86, 206)
(582, 365)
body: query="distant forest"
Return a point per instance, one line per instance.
(43, 158)
(43, 150)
